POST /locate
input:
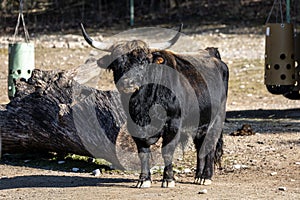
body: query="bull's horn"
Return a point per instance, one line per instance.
(98, 45)
(168, 44)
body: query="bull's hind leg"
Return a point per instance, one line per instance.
(206, 145)
(204, 161)
(144, 156)
(205, 168)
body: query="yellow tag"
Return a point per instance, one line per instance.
(159, 60)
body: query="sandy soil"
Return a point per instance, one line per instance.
(254, 167)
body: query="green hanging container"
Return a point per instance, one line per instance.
(21, 64)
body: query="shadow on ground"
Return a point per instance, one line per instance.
(265, 121)
(61, 182)
(263, 114)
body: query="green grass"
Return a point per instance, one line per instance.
(49, 161)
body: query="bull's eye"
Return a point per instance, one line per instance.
(159, 60)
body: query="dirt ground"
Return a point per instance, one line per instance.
(265, 165)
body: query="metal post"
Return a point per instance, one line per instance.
(288, 11)
(131, 12)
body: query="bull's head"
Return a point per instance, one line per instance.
(126, 59)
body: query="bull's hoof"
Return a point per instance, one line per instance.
(168, 184)
(143, 184)
(202, 181)
(207, 182)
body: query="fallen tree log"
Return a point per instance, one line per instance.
(54, 112)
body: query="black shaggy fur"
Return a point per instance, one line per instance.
(200, 70)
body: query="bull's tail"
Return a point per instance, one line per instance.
(219, 151)
(184, 141)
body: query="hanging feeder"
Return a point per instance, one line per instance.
(20, 57)
(279, 58)
(295, 93)
(279, 55)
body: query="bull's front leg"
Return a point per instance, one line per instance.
(144, 156)
(168, 177)
(170, 140)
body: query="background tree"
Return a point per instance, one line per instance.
(55, 15)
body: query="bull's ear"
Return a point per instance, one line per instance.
(104, 62)
(158, 58)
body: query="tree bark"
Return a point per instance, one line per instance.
(53, 112)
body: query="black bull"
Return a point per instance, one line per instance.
(164, 94)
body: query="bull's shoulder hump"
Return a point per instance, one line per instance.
(200, 53)
(199, 59)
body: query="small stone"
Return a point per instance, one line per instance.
(75, 169)
(61, 162)
(244, 166)
(154, 169)
(237, 166)
(204, 191)
(282, 188)
(273, 173)
(187, 171)
(96, 172)
(297, 163)
(176, 178)
(293, 180)
(91, 160)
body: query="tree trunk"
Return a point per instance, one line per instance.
(53, 112)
